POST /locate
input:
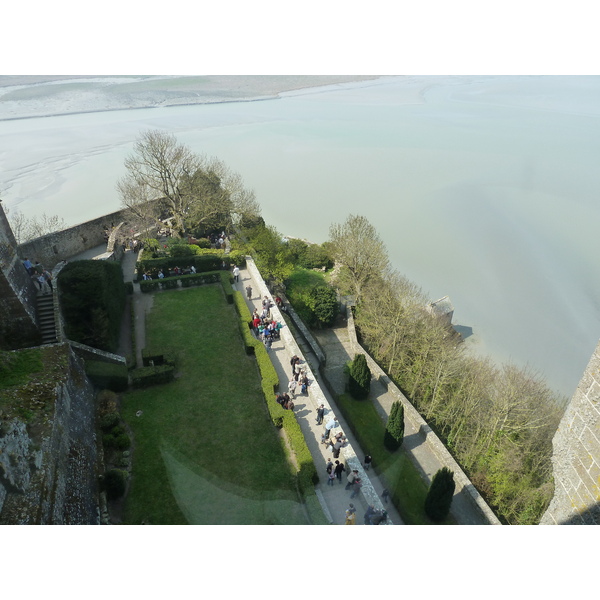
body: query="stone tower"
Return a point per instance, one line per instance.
(18, 327)
(576, 455)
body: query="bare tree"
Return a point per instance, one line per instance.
(28, 228)
(164, 176)
(356, 246)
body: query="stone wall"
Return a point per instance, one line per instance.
(576, 456)
(18, 327)
(48, 472)
(60, 245)
(420, 425)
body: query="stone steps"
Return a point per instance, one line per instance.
(45, 315)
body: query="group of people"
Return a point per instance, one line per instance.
(150, 275)
(40, 276)
(371, 517)
(284, 401)
(299, 377)
(133, 244)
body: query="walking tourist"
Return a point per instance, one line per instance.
(320, 414)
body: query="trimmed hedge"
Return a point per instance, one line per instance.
(107, 375)
(208, 260)
(147, 376)
(169, 283)
(92, 298)
(307, 474)
(157, 359)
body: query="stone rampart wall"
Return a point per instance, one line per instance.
(52, 248)
(53, 480)
(576, 456)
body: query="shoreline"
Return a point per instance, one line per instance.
(103, 95)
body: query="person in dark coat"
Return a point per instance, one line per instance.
(339, 469)
(320, 414)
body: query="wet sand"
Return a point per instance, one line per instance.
(37, 96)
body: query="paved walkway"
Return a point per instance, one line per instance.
(334, 498)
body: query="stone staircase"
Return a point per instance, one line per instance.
(45, 314)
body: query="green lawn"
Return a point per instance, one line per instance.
(407, 487)
(205, 450)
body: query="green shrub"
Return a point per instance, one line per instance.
(117, 430)
(203, 243)
(316, 257)
(439, 496)
(122, 441)
(107, 422)
(324, 305)
(394, 429)
(107, 375)
(108, 440)
(359, 383)
(157, 359)
(149, 286)
(178, 250)
(170, 283)
(129, 288)
(115, 483)
(147, 376)
(150, 244)
(92, 295)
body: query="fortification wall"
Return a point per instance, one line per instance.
(18, 327)
(576, 456)
(48, 473)
(52, 248)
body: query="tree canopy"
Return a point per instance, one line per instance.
(165, 179)
(358, 249)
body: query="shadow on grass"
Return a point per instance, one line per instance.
(405, 481)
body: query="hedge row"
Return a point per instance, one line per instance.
(170, 283)
(202, 263)
(107, 375)
(157, 359)
(147, 376)
(307, 475)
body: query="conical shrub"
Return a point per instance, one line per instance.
(439, 496)
(359, 383)
(394, 429)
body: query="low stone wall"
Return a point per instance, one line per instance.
(60, 245)
(420, 425)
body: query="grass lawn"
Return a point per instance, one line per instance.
(205, 450)
(407, 487)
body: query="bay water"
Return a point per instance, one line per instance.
(482, 188)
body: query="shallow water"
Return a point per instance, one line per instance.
(483, 188)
